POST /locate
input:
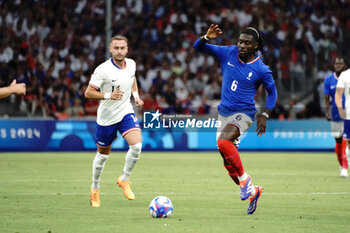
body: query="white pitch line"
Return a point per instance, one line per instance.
(209, 193)
(312, 193)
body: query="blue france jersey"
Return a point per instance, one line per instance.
(330, 87)
(240, 80)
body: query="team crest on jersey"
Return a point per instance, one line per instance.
(250, 75)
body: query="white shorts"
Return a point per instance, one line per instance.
(337, 128)
(241, 120)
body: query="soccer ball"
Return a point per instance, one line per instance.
(161, 207)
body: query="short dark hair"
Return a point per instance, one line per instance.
(256, 35)
(119, 37)
(342, 58)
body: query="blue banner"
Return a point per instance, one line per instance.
(50, 135)
(291, 135)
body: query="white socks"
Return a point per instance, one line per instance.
(245, 176)
(97, 168)
(131, 158)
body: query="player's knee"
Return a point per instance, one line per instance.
(104, 150)
(136, 149)
(230, 132)
(221, 144)
(339, 140)
(226, 147)
(236, 142)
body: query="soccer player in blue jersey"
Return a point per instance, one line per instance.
(332, 114)
(243, 72)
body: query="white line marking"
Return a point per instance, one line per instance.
(117, 193)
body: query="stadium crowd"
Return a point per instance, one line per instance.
(54, 46)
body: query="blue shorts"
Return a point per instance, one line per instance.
(346, 134)
(106, 134)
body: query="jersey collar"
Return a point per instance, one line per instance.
(251, 62)
(116, 64)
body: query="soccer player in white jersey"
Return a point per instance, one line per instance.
(343, 87)
(113, 82)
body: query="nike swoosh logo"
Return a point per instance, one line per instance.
(228, 63)
(114, 80)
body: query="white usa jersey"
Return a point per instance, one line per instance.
(107, 77)
(344, 82)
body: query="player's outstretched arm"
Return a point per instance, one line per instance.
(201, 43)
(13, 88)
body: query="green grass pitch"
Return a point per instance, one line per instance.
(49, 192)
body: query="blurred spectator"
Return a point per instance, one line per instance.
(204, 106)
(197, 84)
(296, 109)
(324, 72)
(150, 103)
(279, 112)
(55, 49)
(76, 110)
(212, 91)
(158, 83)
(90, 107)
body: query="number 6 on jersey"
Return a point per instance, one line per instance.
(234, 85)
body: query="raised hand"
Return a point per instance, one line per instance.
(213, 32)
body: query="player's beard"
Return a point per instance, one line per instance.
(245, 56)
(119, 58)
